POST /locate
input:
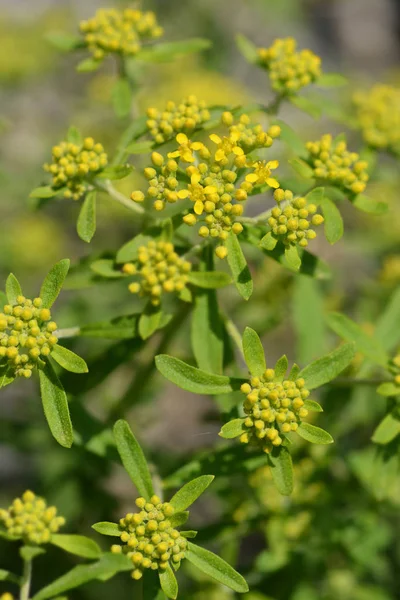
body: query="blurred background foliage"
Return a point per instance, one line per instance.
(336, 536)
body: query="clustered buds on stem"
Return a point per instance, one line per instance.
(26, 335)
(119, 31)
(148, 537)
(332, 162)
(74, 164)
(31, 519)
(289, 71)
(159, 269)
(273, 408)
(378, 116)
(184, 117)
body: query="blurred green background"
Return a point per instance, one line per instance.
(337, 537)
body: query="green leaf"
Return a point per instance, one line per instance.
(168, 51)
(168, 582)
(53, 282)
(44, 191)
(387, 430)
(247, 49)
(8, 576)
(107, 528)
(301, 167)
(331, 80)
(88, 65)
(30, 552)
(55, 406)
(129, 251)
(292, 257)
(192, 379)
(308, 319)
(281, 367)
(369, 205)
(294, 372)
(121, 96)
(74, 136)
(238, 265)
(306, 105)
(268, 242)
(232, 429)
(388, 389)
(215, 567)
(387, 330)
(207, 332)
(364, 343)
(79, 545)
(253, 352)
(133, 459)
(316, 195)
(68, 360)
(115, 172)
(313, 406)
(209, 279)
(108, 563)
(291, 139)
(333, 224)
(190, 492)
(179, 518)
(13, 289)
(149, 321)
(140, 147)
(328, 367)
(314, 434)
(119, 328)
(106, 267)
(65, 42)
(86, 225)
(5, 376)
(282, 470)
(188, 534)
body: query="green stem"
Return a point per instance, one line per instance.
(274, 106)
(68, 332)
(26, 580)
(107, 186)
(233, 332)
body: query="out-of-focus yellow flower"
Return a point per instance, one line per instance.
(378, 115)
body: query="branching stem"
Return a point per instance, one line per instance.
(107, 187)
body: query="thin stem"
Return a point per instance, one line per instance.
(26, 580)
(262, 216)
(274, 106)
(107, 186)
(68, 332)
(233, 332)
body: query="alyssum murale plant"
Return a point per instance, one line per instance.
(74, 165)
(184, 117)
(30, 519)
(159, 270)
(26, 335)
(122, 32)
(215, 187)
(148, 537)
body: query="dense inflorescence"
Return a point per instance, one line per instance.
(292, 224)
(148, 537)
(159, 269)
(31, 519)
(378, 115)
(26, 335)
(176, 118)
(119, 31)
(273, 408)
(332, 162)
(289, 70)
(213, 185)
(74, 164)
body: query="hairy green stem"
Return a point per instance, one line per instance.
(107, 186)
(68, 332)
(26, 580)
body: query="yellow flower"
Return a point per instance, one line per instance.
(262, 173)
(226, 146)
(186, 148)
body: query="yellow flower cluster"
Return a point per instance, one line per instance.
(289, 70)
(119, 31)
(74, 164)
(332, 162)
(149, 539)
(159, 269)
(378, 115)
(31, 519)
(184, 117)
(26, 335)
(272, 408)
(395, 370)
(213, 186)
(292, 224)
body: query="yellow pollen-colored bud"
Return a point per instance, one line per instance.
(137, 196)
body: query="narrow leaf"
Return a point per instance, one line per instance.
(179, 518)
(44, 191)
(387, 430)
(301, 167)
(253, 352)
(387, 330)
(119, 328)
(149, 321)
(316, 195)
(106, 267)
(13, 289)
(53, 282)
(129, 251)
(64, 41)
(79, 545)
(333, 225)
(281, 367)
(268, 242)
(232, 429)
(369, 205)
(168, 582)
(163, 52)
(74, 136)
(389, 389)
(238, 265)
(292, 257)
(68, 360)
(116, 172)
(328, 367)
(314, 434)
(88, 65)
(207, 332)
(247, 48)
(121, 96)
(107, 528)
(331, 80)
(8, 576)
(133, 459)
(190, 492)
(216, 567)
(209, 279)
(188, 534)
(86, 225)
(55, 406)
(140, 147)
(313, 406)
(282, 470)
(306, 105)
